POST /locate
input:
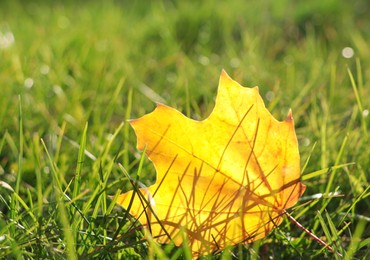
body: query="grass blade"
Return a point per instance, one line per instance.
(80, 162)
(359, 103)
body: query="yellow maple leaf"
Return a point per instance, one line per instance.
(225, 180)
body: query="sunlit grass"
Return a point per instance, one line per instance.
(75, 72)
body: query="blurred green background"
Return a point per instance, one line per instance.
(65, 63)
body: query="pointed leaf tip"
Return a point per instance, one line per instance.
(224, 75)
(289, 117)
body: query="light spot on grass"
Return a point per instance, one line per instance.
(289, 237)
(305, 141)
(215, 58)
(270, 95)
(6, 186)
(109, 137)
(365, 113)
(234, 62)
(347, 52)
(28, 83)
(46, 170)
(151, 94)
(70, 119)
(322, 195)
(171, 77)
(6, 39)
(101, 46)
(288, 60)
(203, 60)
(44, 69)
(63, 22)
(58, 90)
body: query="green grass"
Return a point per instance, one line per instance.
(77, 71)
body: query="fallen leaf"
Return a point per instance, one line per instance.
(225, 180)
